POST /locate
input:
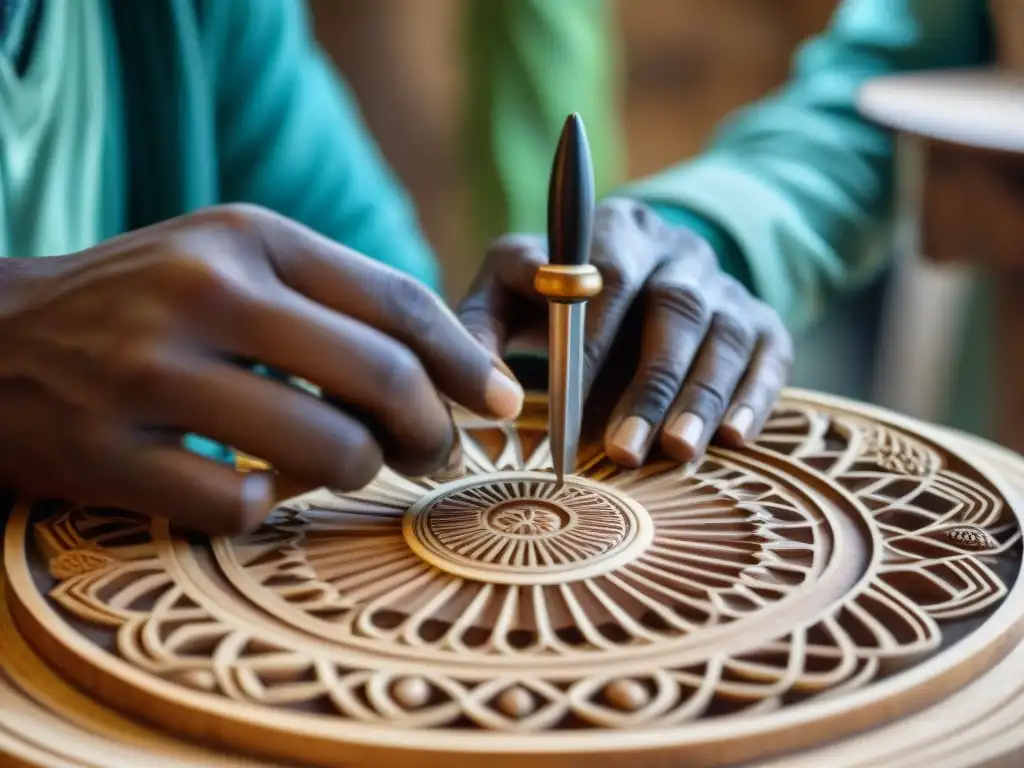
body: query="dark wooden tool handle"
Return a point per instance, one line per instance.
(571, 197)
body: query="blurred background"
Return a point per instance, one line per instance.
(678, 67)
(682, 65)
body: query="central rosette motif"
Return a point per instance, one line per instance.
(519, 528)
(531, 517)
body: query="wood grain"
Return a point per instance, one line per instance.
(853, 568)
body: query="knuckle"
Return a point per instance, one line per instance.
(733, 334)
(629, 239)
(662, 379)
(646, 219)
(196, 276)
(410, 306)
(686, 302)
(135, 368)
(707, 399)
(691, 245)
(400, 377)
(234, 230)
(617, 273)
(474, 310)
(475, 315)
(238, 216)
(187, 278)
(513, 245)
(734, 292)
(620, 250)
(615, 212)
(624, 211)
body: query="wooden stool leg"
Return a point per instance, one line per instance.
(925, 308)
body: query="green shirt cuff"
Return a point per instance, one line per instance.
(730, 258)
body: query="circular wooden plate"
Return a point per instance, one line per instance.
(852, 568)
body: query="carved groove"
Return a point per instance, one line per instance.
(490, 612)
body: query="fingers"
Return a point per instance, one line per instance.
(628, 244)
(370, 375)
(94, 463)
(700, 406)
(626, 256)
(169, 482)
(759, 389)
(676, 319)
(394, 304)
(300, 435)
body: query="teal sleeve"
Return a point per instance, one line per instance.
(529, 63)
(799, 182)
(290, 136)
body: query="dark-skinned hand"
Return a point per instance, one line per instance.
(112, 354)
(687, 351)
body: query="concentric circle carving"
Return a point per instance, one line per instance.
(848, 567)
(523, 529)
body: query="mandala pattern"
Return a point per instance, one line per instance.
(525, 530)
(817, 565)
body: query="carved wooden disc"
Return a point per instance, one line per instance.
(852, 568)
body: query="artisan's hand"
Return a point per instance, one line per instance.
(704, 356)
(110, 355)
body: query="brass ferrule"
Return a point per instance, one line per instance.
(559, 282)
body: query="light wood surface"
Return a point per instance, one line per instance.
(852, 569)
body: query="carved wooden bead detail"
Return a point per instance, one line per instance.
(516, 702)
(847, 563)
(412, 692)
(627, 695)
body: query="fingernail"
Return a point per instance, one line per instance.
(502, 366)
(739, 421)
(257, 488)
(503, 395)
(686, 431)
(628, 445)
(257, 497)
